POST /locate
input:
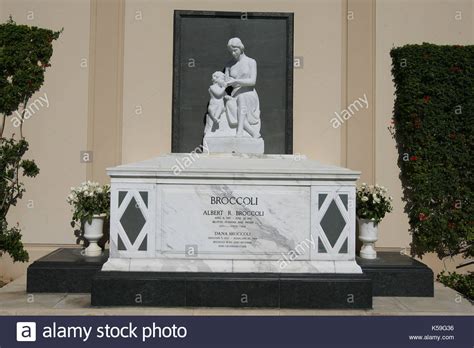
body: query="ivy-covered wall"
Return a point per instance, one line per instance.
(433, 124)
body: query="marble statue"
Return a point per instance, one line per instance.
(236, 115)
(216, 104)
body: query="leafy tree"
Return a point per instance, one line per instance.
(25, 53)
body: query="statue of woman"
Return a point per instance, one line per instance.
(242, 106)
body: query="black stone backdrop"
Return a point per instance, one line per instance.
(200, 49)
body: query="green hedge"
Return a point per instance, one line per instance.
(433, 125)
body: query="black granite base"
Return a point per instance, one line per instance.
(172, 289)
(64, 270)
(391, 274)
(394, 274)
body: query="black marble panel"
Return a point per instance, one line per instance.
(232, 290)
(225, 292)
(138, 289)
(132, 220)
(329, 291)
(333, 223)
(394, 274)
(64, 270)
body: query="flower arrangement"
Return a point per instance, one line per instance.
(89, 199)
(372, 202)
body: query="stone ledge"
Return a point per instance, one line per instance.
(394, 274)
(64, 270)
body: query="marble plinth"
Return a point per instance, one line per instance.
(232, 213)
(232, 144)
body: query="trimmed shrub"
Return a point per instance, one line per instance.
(433, 124)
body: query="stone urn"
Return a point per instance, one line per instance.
(93, 232)
(368, 235)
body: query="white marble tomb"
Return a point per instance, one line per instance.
(232, 213)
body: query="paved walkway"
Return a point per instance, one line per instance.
(15, 301)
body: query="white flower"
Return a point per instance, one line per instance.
(375, 198)
(364, 199)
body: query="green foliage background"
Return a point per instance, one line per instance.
(464, 283)
(433, 124)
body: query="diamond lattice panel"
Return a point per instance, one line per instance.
(333, 223)
(132, 220)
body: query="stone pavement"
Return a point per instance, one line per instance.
(15, 301)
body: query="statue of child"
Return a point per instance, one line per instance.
(216, 104)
